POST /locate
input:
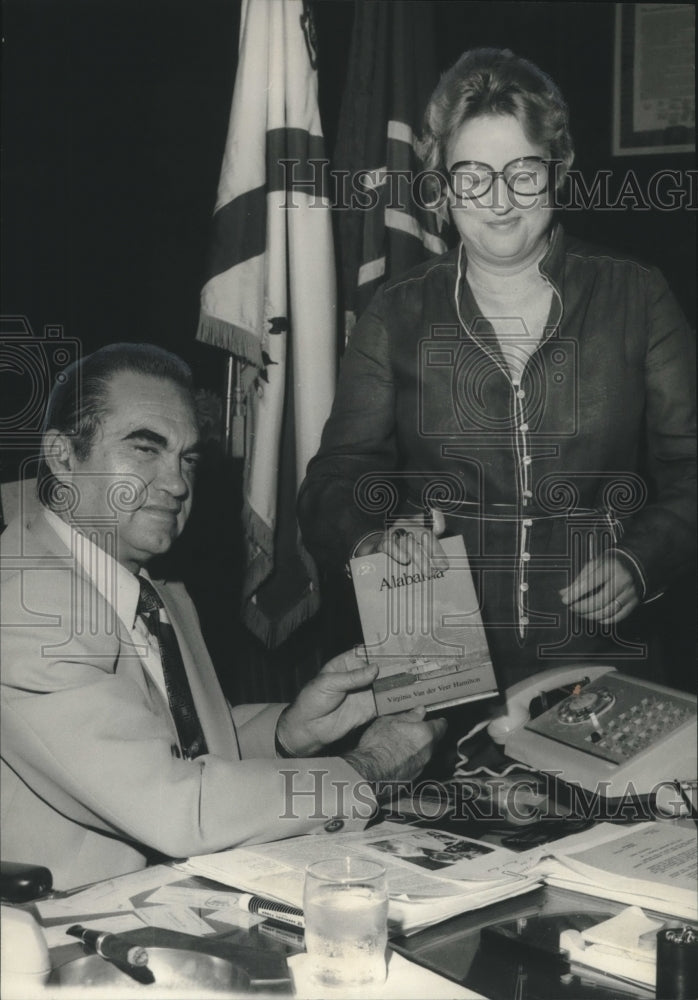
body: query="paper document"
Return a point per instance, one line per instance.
(56, 934)
(624, 946)
(431, 874)
(112, 895)
(654, 865)
(159, 896)
(175, 918)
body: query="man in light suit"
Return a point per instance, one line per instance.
(96, 777)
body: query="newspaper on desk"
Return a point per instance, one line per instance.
(431, 875)
(652, 865)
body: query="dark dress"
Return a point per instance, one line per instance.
(593, 450)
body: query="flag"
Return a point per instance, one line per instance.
(392, 73)
(270, 299)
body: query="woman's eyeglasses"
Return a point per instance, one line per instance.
(525, 176)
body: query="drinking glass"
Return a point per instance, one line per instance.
(346, 919)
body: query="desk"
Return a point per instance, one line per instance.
(465, 950)
(462, 949)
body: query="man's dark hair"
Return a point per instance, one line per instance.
(79, 401)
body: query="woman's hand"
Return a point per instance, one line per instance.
(604, 591)
(329, 706)
(409, 542)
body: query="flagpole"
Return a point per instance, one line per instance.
(228, 405)
(266, 265)
(237, 448)
(234, 437)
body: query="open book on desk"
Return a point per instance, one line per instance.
(431, 875)
(651, 865)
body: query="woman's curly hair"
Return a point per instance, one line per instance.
(496, 82)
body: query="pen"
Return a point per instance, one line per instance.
(275, 911)
(691, 808)
(289, 935)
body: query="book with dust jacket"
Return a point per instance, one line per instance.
(424, 630)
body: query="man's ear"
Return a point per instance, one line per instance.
(57, 451)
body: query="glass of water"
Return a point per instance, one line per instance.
(346, 919)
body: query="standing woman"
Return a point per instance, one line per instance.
(541, 387)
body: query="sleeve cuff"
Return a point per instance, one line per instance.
(637, 573)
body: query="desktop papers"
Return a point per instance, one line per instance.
(624, 946)
(55, 934)
(652, 865)
(431, 875)
(110, 896)
(158, 896)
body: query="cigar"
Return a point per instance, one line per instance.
(131, 959)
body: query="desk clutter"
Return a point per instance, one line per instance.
(624, 946)
(196, 923)
(433, 875)
(572, 947)
(227, 951)
(639, 949)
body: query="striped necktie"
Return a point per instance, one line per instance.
(179, 694)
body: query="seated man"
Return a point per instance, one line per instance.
(117, 742)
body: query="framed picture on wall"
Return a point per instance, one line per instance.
(654, 107)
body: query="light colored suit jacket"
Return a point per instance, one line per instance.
(91, 785)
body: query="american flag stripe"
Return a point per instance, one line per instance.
(392, 71)
(406, 223)
(269, 299)
(294, 163)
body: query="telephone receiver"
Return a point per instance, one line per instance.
(609, 733)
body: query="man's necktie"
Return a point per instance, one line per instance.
(189, 730)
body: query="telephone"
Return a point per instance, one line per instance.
(605, 731)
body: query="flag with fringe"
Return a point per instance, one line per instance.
(269, 299)
(392, 73)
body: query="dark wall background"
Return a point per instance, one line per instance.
(573, 43)
(114, 119)
(114, 115)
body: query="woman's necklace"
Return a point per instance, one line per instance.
(516, 306)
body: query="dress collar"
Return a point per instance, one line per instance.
(553, 259)
(550, 264)
(118, 586)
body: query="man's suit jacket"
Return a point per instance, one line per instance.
(91, 783)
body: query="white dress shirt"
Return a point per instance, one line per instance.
(119, 588)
